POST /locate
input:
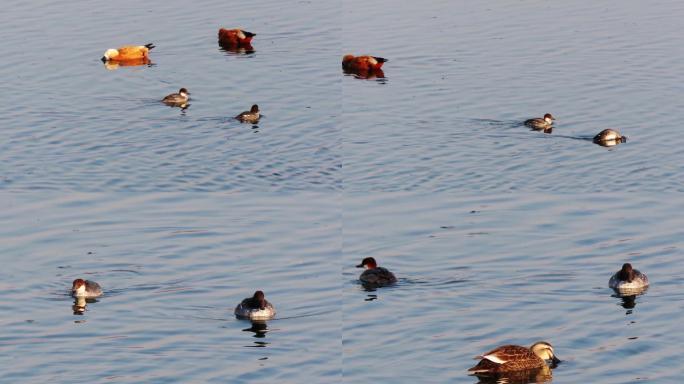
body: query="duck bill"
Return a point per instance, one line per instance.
(555, 361)
(359, 266)
(104, 59)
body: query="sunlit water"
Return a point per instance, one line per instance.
(415, 169)
(71, 124)
(478, 272)
(462, 76)
(173, 267)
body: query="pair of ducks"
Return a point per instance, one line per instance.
(255, 308)
(181, 98)
(607, 137)
(136, 53)
(514, 358)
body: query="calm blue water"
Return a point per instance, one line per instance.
(478, 272)
(73, 125)
(173, 267)
(462, 76)
(498, 234)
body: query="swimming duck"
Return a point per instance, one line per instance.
(177, 98)
(255, 308)
(628, 278)
(541, 123)
(374, 275)
(127, 53)
(251, 116)
(508, 358)
(234, 37)
(351, 63)
(86, 289)
(609, 138)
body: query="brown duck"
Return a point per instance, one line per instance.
(374, 275)
(508, 358)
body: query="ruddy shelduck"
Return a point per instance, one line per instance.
(353, 63)
(235, 37)
(128, 53)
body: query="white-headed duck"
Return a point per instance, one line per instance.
(628, 279)
(181, 97)
(541, 123)
(255, 308)
(85, 289)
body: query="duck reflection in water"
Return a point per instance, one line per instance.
(239, 49)
(80, 304)
(540, 375)
(259, 328)
(366, 74)
(113, 65)
(628, 302)
(628, 297)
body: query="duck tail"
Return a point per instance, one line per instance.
(380, 60)
(149, 46)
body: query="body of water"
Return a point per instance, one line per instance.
(478, 272)
(173, 267)
(71, 124)
(462, 76)
(497, 234)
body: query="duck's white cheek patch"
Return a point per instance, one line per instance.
(494, 358)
